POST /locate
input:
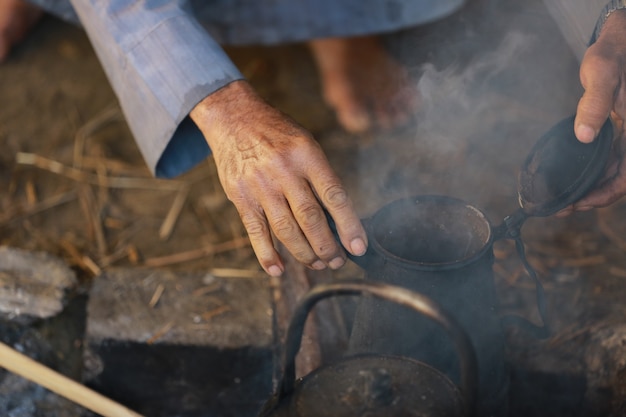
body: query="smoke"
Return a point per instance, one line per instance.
(455, 99)
(452, 85)
(478, 117)
(481, 112)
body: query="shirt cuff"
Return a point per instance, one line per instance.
(606, 12)
(161, 63)
(177, 65)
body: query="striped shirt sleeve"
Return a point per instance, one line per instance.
(160, 62)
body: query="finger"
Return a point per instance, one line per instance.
(287, 230)
(604, 195)
(600, 80)
(619, 109)
(334, 198)
(312, 221)
(354, 118)
(565, 212)
(258, 230)
(613, 184)
(351, 112)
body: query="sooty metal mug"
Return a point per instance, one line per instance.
(441, 247)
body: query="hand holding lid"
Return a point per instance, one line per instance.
(560, 170)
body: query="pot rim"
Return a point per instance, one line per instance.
(388, 256)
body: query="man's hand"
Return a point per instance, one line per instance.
(279, 180)
(603, 76)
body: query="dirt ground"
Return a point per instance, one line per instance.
(493, 78)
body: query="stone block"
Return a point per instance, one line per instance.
(180, 344)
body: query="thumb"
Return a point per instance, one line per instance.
(596, 103)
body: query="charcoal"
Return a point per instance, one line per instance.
(22, 398)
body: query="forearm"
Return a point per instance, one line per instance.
(161, 63)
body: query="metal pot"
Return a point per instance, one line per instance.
(441, 247)
(375, 385)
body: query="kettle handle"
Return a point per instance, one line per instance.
(411, 299)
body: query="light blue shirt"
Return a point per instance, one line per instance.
(163, 57)
(160, 62)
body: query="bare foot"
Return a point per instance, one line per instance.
(17, 17)
(365, 86)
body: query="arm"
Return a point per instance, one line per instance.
(603, 72)
(167, 72)
(161, 63)
(603, 76)
(277, 176)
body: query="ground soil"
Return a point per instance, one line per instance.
(493, 79)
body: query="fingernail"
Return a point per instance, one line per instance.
(358, 246)
(336, 263)
(585, 133)
(319, 265)
(275, 271)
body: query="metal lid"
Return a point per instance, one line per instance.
(377, 386)
(560, 169)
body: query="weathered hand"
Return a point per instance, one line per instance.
(279, 180)
(603, 76)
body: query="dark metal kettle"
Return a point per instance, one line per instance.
(442, 247)
(375, 385)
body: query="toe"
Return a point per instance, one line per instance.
(350, 110)
(354, 119)
(17, 17)
(4, 48)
